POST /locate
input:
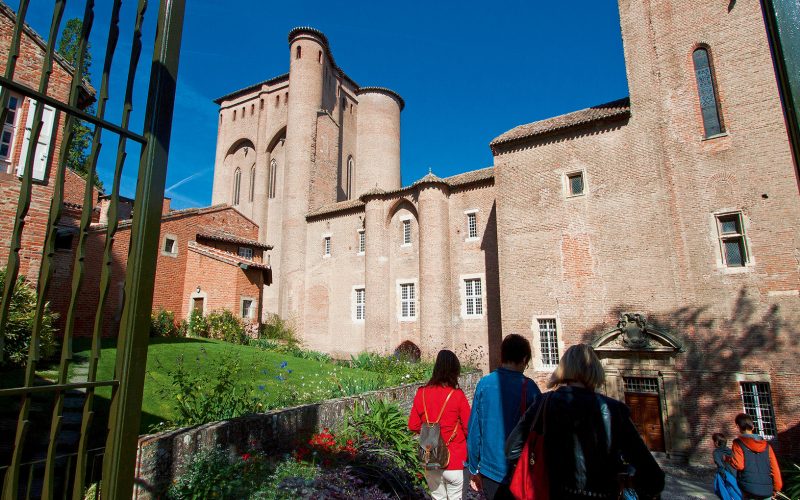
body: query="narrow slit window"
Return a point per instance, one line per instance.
(406, 232)
(472, 225)
(362, 241)
(326, 246)
(252, 183)
(707, 92)
(548, 341)
(273, 177)
(237, 184)
(348, 188)
(733, 246)
(299, 52)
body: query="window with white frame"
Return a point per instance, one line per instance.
(248, 308)
(362, 241)
(407, 232)
(246, 252)
(360, 305)
(408, 301)
(733, 246)
(326, 246)
(548, 341)
(473, 297)
(170, 245)
(472, 225)
(757, 402)
(9, 127)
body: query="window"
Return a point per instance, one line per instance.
(299, 52)
(473, 294)
(548, 341)
(348, 186)
(707, 91)
(170, 245)
(360, 298)
(575, 184)
(641, 385)
(326, 246)
(407, 232)
(408, 301)
(252, 109)
(731, 240)
(472, 225)
(248, 308)
(63, 239)
(757, 402)
(234, 115)
(362, 241)
(7, 136)
(273, 177)
(261, 104)
(252, 182)
(319, 57)
(246, 252)
(237, 184)
(277, 100)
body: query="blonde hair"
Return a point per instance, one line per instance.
(578, 364)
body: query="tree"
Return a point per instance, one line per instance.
(78, 154)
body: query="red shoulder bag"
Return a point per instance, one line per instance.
(529, 481)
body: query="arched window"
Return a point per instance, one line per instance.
(707, 91)
(237, 184)
(348, 181)
(299, 52)
(252, 182)
(273, 172)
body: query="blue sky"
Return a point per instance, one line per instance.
(467, 70)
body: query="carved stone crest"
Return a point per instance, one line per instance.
(634, 328)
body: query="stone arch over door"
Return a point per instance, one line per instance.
(639, 360)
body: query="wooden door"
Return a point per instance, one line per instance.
(646, 416)
(198, 305)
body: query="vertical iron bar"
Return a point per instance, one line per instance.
(10, 484)
(126, 403)
(46, 270)
(105, 276)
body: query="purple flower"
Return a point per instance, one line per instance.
(284, 364)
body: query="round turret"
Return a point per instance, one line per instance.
(378, 153)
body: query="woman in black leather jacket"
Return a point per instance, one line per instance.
(589, 439)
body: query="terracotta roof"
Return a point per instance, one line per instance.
(341, 206)
(470, 177)
(226, 257)
(216, 235)
(252, 87)
(177, 213)
(620, 107)
(430, 177)
(86, 86)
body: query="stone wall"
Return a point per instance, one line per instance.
(162, 457)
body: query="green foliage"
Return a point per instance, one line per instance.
(197, 325)
(791, 480)
(290, 350)
(386, 425)
(68, 48)
(163, 324)
(217, 474)
(200, 397)
(223, 325)
(275, 328)
(392, 370)
(21, 314)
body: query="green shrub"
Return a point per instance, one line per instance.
(791, 480)
(275, 328)
(392, 369)
(223, 325)
(197, 325)
(21, 314)
(216, 473)
(163, 324)
(199, 397)
(290, 350)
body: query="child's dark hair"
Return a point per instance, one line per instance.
(515, 349)
(744, 422)
(446, 369)
(719, 439)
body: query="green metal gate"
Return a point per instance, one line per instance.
(119, 456)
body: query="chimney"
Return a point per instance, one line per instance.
(165, 206)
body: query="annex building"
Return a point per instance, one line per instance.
(661, 227)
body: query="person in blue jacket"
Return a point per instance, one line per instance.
(501, 398)
(725, 480)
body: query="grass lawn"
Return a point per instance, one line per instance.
(268, 373)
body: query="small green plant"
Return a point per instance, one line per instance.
(200, 397)
(17, 333)
(791, 481)
(392, 370)
(216, 473)
(290, 350)
(276, 328)
(163, 324)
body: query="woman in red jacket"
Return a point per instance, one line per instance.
(441, 396)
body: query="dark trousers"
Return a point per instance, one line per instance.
(496, 491)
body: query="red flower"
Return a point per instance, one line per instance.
(246, 457)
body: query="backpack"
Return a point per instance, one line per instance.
(432, 451)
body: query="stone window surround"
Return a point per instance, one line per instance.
(565, 183)
(329, 238)
(714, 230)
(353, 303)
(463, 295)
(173, 237)
(13, 129)
(253, 306)
(536, 345)
(467, 213)
(406, 281)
